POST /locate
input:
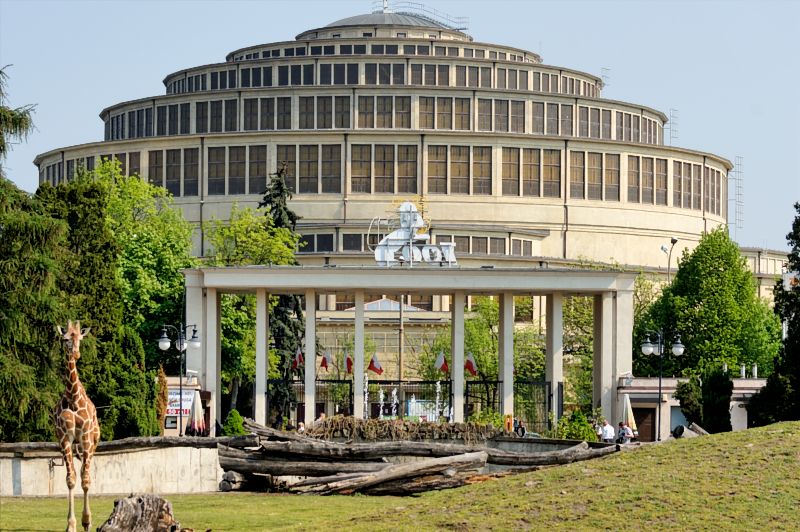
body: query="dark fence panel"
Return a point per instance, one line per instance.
(532, 404)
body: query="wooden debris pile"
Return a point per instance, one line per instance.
(394, 467)
(350, 428)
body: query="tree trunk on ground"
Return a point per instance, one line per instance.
(249, 463)
(141, 513)
(448, 466)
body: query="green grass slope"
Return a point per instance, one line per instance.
(744, 480)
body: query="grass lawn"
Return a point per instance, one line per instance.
(745, 480)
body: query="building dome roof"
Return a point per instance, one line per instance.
(388, 19)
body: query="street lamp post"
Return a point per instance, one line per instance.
(668, 251)
(657, 348)
(164, 344)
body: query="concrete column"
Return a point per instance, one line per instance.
(358, 358)
(262, 351)
(310, 350)
(457, 351)
(603, 388)
(622, 363)
(506, 351)
(554, 369)
(195, 315)
(211, 377)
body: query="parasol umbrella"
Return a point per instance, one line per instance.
(196, 425)
(628, 413)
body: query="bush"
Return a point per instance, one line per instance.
(488, 416)
(717, 390)
(773, 403)
(575, 427)
(691, 398)
(234, 424)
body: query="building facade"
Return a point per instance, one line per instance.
(518, 163)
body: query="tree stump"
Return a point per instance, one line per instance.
(141, 513)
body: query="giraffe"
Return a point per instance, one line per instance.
(76, 425)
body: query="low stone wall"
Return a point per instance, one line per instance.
(161, 469)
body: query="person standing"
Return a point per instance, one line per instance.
(607, 432)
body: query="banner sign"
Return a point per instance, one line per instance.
(173, 400)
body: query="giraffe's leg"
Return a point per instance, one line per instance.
(66, 450)
(86, 481)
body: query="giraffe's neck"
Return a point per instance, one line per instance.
(74, 390)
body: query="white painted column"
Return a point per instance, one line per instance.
(211, 377)
(554, 369)
(358, 358)
(457, 351)
(310, 351)
(195, 315)
(506, 351)
(603, 386)
(622, 326)
(262, 351)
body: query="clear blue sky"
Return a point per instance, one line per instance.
(731, 68)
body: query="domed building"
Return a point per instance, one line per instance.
(515, 161)
(515, 164)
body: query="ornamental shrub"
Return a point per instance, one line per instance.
(234, 424)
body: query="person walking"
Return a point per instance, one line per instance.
(607, 432)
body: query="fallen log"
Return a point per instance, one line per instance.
(233, 480)
(249, 463)
(319, 449)
(398, 472)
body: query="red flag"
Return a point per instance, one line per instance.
(470, 365)
(348, 362)
(298, 360)
(327, 362)
(441, 363)
(375, 365)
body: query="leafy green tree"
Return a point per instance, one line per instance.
(155, 243)
(32, 248)
(15, 123)
(249, 237)
(712, 303)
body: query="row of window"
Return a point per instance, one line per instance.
(382, 49)
(443, 112)
(443, 75)
(465, 244)
(396, 169)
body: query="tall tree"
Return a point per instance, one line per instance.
(15, 123)
(32, 248)
(787, 306)
(112, 358)
(154, 245)
(286, 315)
(779, 400)
(712, 303)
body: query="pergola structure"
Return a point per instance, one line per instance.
(613, 320)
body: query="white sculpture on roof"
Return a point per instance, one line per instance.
(405, 245)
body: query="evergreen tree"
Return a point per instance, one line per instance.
(15, 123)
(32, 361)
(690, 395)
(716, 390)
(779, 400)
(112, 364)
(286, 318)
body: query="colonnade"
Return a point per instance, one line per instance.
(613, 322)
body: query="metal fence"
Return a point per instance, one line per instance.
(422, 400)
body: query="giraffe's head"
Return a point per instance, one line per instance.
(73, 336)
